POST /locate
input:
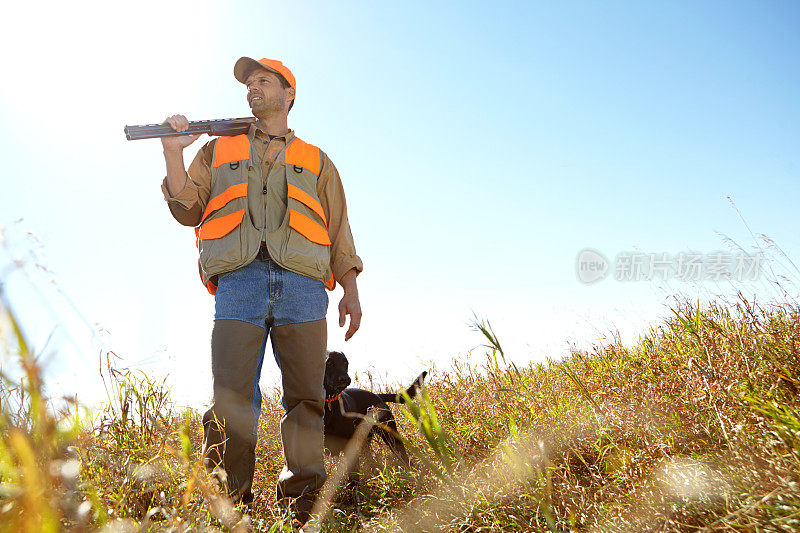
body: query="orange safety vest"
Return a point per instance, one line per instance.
(227, 240)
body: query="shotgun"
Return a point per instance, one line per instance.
(225, 126)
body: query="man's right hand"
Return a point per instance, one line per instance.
(177, 144)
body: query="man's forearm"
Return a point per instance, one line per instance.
(348, 282)
(176, 171)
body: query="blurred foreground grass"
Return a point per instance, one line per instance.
(695, 428)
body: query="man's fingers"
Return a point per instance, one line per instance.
(355, 323)
(178, 122)
(342, 315)
(352, 329)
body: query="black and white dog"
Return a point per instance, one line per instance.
(345, 408)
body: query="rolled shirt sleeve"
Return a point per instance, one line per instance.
(187, 205)
(331, 195)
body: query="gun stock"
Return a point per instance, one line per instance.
(225, 126)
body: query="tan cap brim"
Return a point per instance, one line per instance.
(245, 65)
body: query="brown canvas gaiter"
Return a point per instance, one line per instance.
(228, 425)
(301, 349)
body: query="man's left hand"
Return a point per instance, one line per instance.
(349, 304)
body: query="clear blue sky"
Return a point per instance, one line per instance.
(481, 147)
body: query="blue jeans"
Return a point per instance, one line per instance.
(254, 302)
(265, 294)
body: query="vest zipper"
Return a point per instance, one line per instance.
(266, 178)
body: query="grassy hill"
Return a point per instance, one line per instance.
(695, 428)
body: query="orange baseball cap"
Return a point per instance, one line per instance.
(245, 65)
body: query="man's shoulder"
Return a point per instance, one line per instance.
(300, 141)
(311, 149)
(207, 150)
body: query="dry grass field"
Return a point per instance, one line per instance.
(694, 428)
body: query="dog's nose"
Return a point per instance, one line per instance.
(344, 382)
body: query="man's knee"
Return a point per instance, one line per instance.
(301, 350)
(235, 351)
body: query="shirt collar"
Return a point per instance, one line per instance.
(256, 131)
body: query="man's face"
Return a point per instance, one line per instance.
(266, 95)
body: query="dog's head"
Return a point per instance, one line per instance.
(336, 378)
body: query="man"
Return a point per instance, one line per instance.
(272, 232)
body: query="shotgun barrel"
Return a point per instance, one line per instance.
(225, 126)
